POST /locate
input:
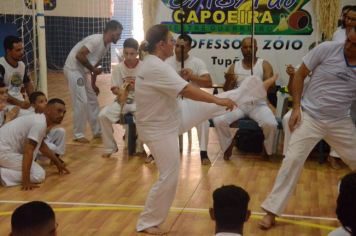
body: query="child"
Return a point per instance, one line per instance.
(33, 219)
(122, 85)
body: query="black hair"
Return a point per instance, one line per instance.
(186, 38)
(9, 42)
(347, 9)
(2, 84)
(131, 43)
(346, 204)
(230, 206)
(154, 35)
(33, 96)
(31, 216)
(55, 100)
(113, 25)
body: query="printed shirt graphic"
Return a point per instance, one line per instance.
(14, 77)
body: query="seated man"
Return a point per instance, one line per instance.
(122, 85)
(230, 210)
(346, 206)
(20, 141)
(258, 111)
(33, 219)
(196, 72)
(13, 72)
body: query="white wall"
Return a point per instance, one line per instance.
(74, 8)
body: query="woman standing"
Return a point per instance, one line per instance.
(161, 116)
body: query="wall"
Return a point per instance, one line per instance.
(69, 22)
(73, 8)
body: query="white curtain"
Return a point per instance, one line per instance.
(149, 10)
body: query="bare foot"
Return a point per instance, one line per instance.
(205, 161)
(228, 151)
(270, 81)
(155, 231)
(107, 155)
(149, 159)
(267, 222)
(334, 163)
(81, 140)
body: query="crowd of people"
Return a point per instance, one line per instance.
(163, 92)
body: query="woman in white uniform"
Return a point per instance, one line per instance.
(161, 117)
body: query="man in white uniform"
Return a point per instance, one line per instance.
(81, 69)
(348, 21)
(14, 73)
(230, 210)
(21, 139)
(258, 111)
(323, 113)
(161, 117)
(123, 73)
(56, 137)
(196, 72)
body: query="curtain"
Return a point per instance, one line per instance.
(327, 13)
(149, 10)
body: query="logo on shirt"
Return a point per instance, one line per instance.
(16, 80)
(80, 82)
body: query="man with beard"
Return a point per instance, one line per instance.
(20, 141)
(258, 110)
(81, 69)
(13, 72)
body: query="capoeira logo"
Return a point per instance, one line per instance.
(80, 82)
(16, 80)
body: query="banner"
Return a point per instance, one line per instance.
(283, 29)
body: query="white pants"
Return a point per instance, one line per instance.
(56, 140)
(166, 152)
(259, 112)
(341, 135)
(203, 135)
(108, 116)
(84, 101)
(11, 169)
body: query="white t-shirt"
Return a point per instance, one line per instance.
(14, 133)
(339, 232)
(332, 86)
(339, 35)
(157, 87)
(119, 73)
(243, 73)
(97, 49)
(195, 64)
(14, 77)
